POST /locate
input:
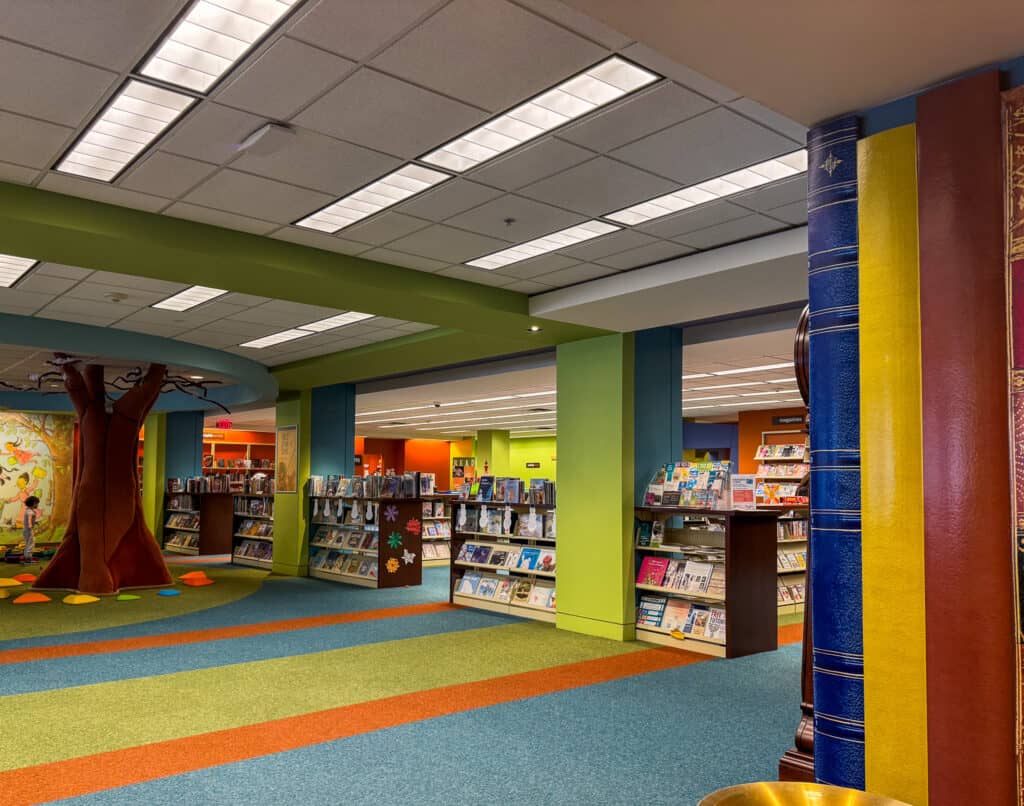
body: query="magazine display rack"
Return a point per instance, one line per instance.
(253, 530)
(437, 531)
(196, 521)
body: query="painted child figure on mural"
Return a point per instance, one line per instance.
(26, 486)
(18, 456)
(28, 528)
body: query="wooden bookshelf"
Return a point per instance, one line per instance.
(507, 541)
(381, 537)
(792, 536)
(252, 530)
(748, 540)
(197, 523)
(437, 547)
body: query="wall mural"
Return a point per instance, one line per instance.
(36, 458)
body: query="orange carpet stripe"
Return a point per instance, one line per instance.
(213, 633)
(791, 634)
(134, 765)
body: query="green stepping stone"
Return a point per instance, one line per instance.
(127, 597)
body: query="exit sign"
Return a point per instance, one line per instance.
(532, 464)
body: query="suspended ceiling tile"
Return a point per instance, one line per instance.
(383, 322)
(320, 240)
(209, 338)
(609, 244)
(256, 197)
(536, 161)
(598, 186)
(208, 314)
(283, 79)
(545, 264)
(389, 115)
(481, 276)
(127, 298)
(72, 310)
(101, 191)
(583, 24)
(60, 270)
(795, 213)
(712, 144)
(773, 120)
(108, 33)
(645, 255)
(244, 300)
(211, 133)
(642, 54)
(45, 284)
(49, 87)
(165, 329)
(319, 162)
(738, 230)
(357, 28)
(384, 227)
(24, 298)
(278, 320)
(449, 244)
(244, 331)
(637, 116)
(219, 218)
(529, 219)
(166, 175)
(448, 199)
(142, 283)
(495, 54)
(704, 215)
(777, 194)
(97, 319)
(575, 274)
(528, 287)
(300, 310)
(17, 173)
(33, 143)
(415, 327)
(402, 259)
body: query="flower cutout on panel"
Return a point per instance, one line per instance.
(392, 566)
(394, 540)
(391, 513)
(413, 526)
(408, 557)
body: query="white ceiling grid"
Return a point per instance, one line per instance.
(365, 87)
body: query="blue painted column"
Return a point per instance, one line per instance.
(333, 430)
(657, 403)
(836, 601)
(184, 446)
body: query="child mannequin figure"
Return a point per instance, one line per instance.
(28, 527)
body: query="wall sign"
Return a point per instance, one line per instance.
(533, 464)
(789, 419)
(286, 459)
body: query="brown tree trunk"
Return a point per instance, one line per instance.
(107, 545)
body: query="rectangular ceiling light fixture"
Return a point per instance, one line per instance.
(456, 403)
(138, 115)
(717, 188)
(395, 187)
(210, 39)
(608, 81)
(319, 326)
(541, 246)
(189, 298)
(13, 268)
(762, 368)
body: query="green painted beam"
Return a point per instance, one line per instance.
(80, 232)
(154, 480)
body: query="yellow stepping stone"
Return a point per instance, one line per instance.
(79, 599)
(7, 582)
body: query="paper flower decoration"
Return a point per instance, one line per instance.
(391, 513)
(408, 557)
(394, 540)
(413, 526)
(392, 565)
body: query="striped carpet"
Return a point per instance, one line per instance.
(321, 693)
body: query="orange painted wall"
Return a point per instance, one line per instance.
(429, 456)
(390, 453)
(753, 423)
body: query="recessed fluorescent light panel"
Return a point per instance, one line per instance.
(189, 298)
(340, 320)
(395, 187)
(13, 269)
(277, 338)
(138, 115)
(320, 326)
(762, 368)
(717, 188)
(211, 38)
(541, 246)
(608, 81)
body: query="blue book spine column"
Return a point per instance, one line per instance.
(835, 578)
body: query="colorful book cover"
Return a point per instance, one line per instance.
(429, 551)
(643, 533)
(466, 553)
(716, 624)
(352, 565)
(697, 621)
(485, 490)
(528, 558)
(546, 562)
(469, 582)
(512, 561)
(650, 610)
(443, 551)
(540, 595)
(652, 571)
(488, 585)
(673, 574)
(549, 526)
(498, 557)
(676, 614)
(696, 577)
(481, 554)
(521, 591)
(503, 591)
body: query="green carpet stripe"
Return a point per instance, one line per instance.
(72, 722)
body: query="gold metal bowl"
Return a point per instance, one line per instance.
(788, 793)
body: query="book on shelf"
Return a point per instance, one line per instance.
(690, 484)
(652, 571)
(468, 582)
(481, 554)
(530, 525)
(443, 551)
(697, 620)
(549, 526)
(797, 451)
(429, 530)
(485, 489)
(528, 558)
(488, 585)
(715, 628)
(673, 574)
(369, 540)
(657, 533)
(498, 557)
(503, 590)
(716, 585)
(650, 611)
(429, 551)
(546, 562)
(784, 596)
(677, 613)
(643, 532)
(521, 590)
(541, 595)
(696, 577)
(466, 552)
(796, 470)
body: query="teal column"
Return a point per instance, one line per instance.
(657, 403)
(184, 450)
(333, 430)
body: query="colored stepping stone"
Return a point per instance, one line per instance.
(26, 577)
(169, 592)
(127, 597)
(79, 599)
(193, 575)
(7, 582)
(32, 598)
(196, 582)
(4, 593)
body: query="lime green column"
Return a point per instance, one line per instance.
(595, 486)
(493, 447)
(154, 477)
(291, 527)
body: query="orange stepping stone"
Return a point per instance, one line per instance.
(193, 575)
(26, 577)
(196, 582)
(32, 598)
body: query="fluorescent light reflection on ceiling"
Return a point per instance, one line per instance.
(13, 268)
(608, 81)
(135, 118)
(542, 246)
(712, 189)
(320, 326)
(189, 298)
(457, 403)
